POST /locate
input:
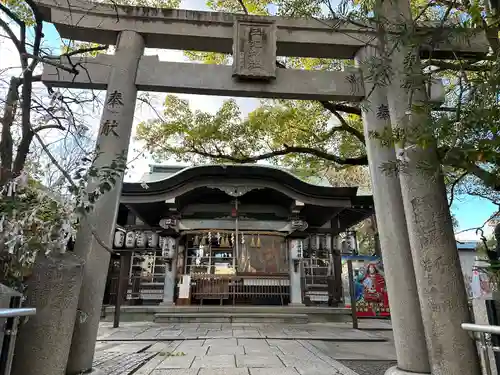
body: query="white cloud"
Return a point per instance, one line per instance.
(471, 235)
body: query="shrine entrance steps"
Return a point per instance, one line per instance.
(231, 314)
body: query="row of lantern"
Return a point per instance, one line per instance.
(140, 239)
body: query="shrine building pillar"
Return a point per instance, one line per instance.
(295, 247)
(409, 338)
(112, 145)
(170, 272)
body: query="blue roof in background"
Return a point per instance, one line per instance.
(467, 245)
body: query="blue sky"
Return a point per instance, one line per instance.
(472, 211)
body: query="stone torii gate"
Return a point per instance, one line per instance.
(255, 42)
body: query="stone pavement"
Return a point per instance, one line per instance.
(215, 356)
(142, 348)
(147, 331)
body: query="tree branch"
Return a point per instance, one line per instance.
(245, 10)
(72, 183)
(5, 26)
(454, 185)
(12, 16)
(456, 159)
(362, 160)
(6, 143)
(334, 108)
(343, 123)
(46, 127)
(341, 108)
(71, 70)
(85, 50)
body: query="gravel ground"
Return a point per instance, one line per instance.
(369, 367)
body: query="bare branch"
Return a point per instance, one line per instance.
(47, 127)
(5, 26)
(72, 183)
(51, 62)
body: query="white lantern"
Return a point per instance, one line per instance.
(119, 239)
(153, 240)
(140, 238)
(168, 247)
(296, 247)
(161, 242)
(328, 242)
(130, 240)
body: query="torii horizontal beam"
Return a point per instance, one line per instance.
(213, 32)
(190, 78)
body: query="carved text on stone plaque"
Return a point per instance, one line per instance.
(254, 50)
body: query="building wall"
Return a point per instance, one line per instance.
(467, 258)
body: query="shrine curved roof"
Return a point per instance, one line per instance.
(255, 176)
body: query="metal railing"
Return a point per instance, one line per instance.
(9, 318)
(12, 313)
(482, 334)
(317, 286)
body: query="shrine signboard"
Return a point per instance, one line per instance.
(254, 50)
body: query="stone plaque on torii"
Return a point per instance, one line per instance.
(254, 50)
(256, 42)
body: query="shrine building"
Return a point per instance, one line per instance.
(231, 235)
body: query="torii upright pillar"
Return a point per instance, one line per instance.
(440, 282)
(112, 143)
(409, 338)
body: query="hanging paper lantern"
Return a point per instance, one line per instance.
(153, 240)
(130, 240)
(140, 239)
(165, 249)
(258, 241)
(161, 242)
(119, 239)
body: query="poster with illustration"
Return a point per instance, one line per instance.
(370, 292)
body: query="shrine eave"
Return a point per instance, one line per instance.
(244, 176)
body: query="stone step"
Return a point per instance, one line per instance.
(310, 310)
(230, 317)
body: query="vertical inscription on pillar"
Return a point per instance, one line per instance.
(254, 50)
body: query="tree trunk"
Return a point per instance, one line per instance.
(6, 144)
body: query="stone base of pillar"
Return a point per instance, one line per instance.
(43, 342)
(295, 305)
(397, 371)
(166, 303)
(95, 371)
